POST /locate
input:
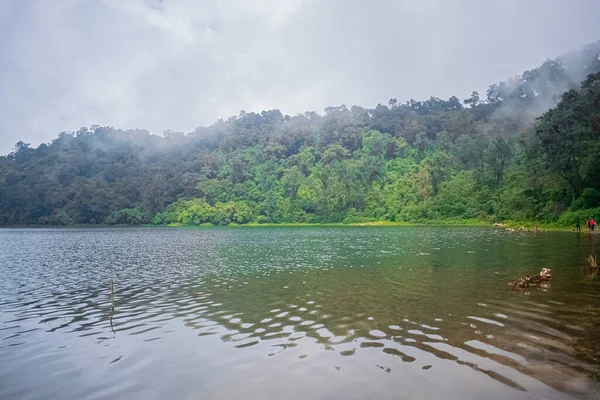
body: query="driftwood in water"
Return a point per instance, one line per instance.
(531, 280)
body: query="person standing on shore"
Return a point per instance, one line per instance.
(589, 225)
(578, 226)
(592, 224)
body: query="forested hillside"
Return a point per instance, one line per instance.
(486, 157)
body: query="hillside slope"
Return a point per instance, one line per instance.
(482, 158)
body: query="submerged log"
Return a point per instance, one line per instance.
(531, 280)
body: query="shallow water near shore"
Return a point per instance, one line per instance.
(296, 313)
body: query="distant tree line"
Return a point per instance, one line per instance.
(481, 158)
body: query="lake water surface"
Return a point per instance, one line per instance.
(296, 313)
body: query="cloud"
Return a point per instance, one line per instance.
(177, 64)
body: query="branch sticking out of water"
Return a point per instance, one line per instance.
(112, 305)
(112, 297)
(593, 260)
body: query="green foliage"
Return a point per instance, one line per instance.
(570, 218)
(568, 136)
(129, 216)
(421, 161)
(590, 198)
(186, 212)
(198, 212)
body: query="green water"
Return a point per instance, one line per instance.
(296, 313)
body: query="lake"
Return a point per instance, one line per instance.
(296, 313)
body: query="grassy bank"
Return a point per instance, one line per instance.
(453, 222)
(373, 223)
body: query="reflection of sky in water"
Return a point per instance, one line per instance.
(296, 313)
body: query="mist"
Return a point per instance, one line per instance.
(161, 65)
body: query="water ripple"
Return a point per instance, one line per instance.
(356, 302)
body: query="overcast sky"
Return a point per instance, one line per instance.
(177, 64)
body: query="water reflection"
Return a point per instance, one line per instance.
(343, 308)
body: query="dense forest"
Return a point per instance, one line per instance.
(527, 150)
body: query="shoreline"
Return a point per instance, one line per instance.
(506, 225)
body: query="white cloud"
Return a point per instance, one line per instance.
(160, 64)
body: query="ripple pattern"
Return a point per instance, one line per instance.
(199, 309)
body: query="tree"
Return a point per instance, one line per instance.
(472, 101)
(335, 152)
(499, 155)
(567, 136)
(412, 161)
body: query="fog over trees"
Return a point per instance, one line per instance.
(526, 150)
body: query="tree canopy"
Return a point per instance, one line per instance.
(482, 158)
